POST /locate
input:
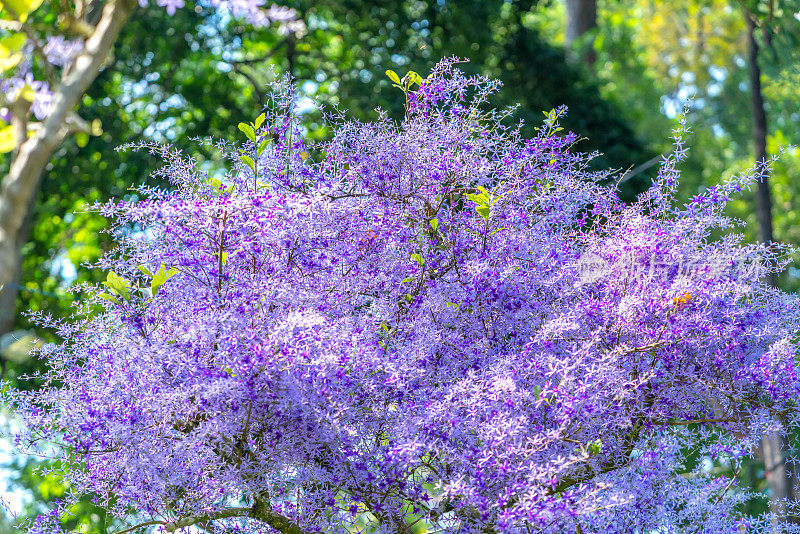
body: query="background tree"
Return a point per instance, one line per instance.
(581, 18)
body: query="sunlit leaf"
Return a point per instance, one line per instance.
(260, 120)
(393, 76)
(8, 139)
(10, 48)
(248, 131)
(20, 9)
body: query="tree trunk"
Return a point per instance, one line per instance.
(776, 470)
(763, 196)
(8, 296)
(581, 17)
(18, 189)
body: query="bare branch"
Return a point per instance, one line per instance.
(191, 520)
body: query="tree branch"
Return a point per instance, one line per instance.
(140, 525)
(191, 520)
(696, 421)
(261, 511)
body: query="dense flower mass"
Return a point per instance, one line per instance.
(434, 325)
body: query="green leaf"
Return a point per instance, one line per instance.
(393, 76)
(408, 280)
(96, 128)
(20, 9)
(9, 61)
(144, 270)
(435, 224)
(594, 447)
(495, 231)
(483, 211)
(106, 296)
(10, 48)
(216, 183)
(8, 139)
(118, 280)
(27, 93)
(12, 43)
(248, 161)
(118, 284)
(260, 120)
(248, 131)
(81, 139)
(263, 145)
(417, 258)
(480, 200)
(537, 391)
(161, 277)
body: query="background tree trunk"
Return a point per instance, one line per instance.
(777, 470)
(8, 296)
(763, 195)
(581, 17)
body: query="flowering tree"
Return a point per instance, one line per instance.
(436, 325)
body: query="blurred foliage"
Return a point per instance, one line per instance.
(45, 490)
(785, 186)
(351, 43)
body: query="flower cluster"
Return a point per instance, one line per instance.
(390, 332)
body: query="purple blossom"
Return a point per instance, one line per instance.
(60, 51)
(42, 96)
(278, 13)
(171, 5)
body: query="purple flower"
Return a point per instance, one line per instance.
(171, 5)
(60, 51)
